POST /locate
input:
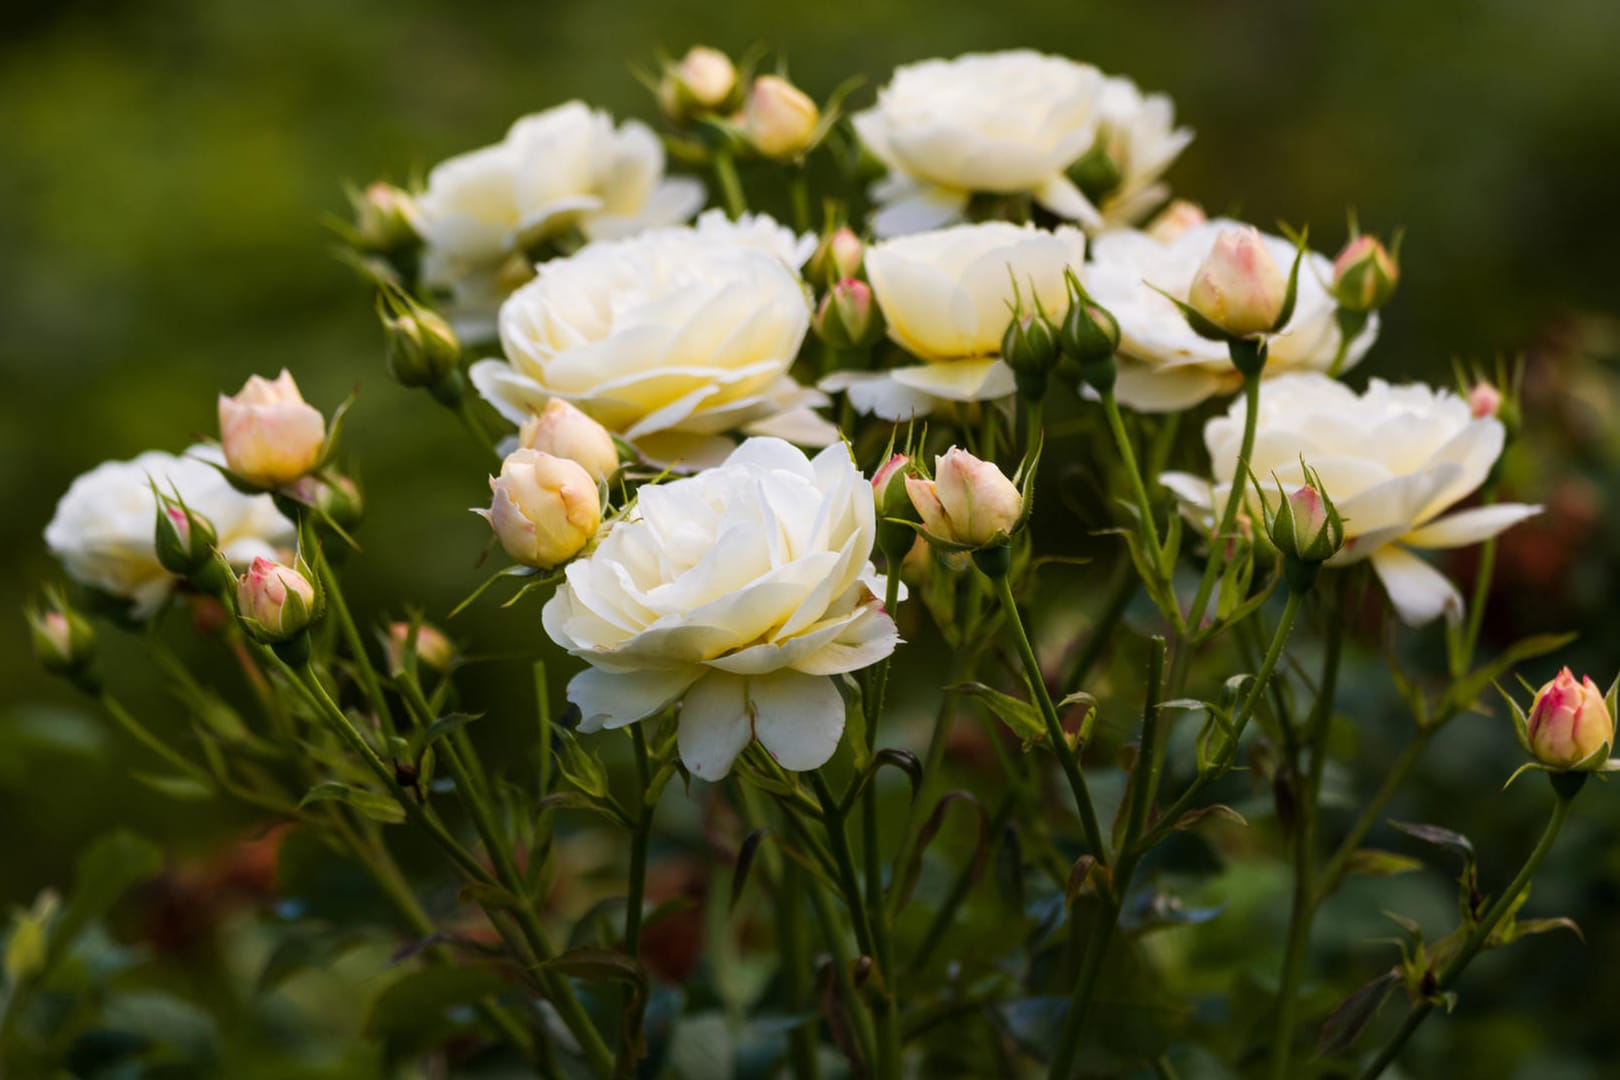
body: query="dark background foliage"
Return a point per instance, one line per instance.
(165, 165)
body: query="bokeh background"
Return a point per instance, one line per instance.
(165, 166)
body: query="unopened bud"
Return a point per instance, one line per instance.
(969, 503)
(269, 434)
(184, 539)
(433, 649)
(1098, 173)
(545, 510)
(1238, 287)
(1175, 219)
(1306, 526)
(562, 430)
(1364, 275)
(779, 120)
(421, 347)
(1569, 724)
(275, 602)
(64, 641)
(848, 317)
(1484, 400)
(703, 81)
(837, 257)
(385, 219)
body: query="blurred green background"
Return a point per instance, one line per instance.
(165, 165)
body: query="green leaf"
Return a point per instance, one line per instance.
(584, 771)
(307, 949)
(904, 760)
(1375, 863)
(437, 730)
(745, 863)
(418, 1002)
(114, 863)
(608, 965)
(1022, 717)
(373, 805)
(179, 786)
(1524, 927)
(1354, 1013)
(1217, 812)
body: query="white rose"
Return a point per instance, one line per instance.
(1139, 133)
(945, 296)
(669, 339)
(565, 167)
(1004, 122)
(1393, 460)
(1163, 365)
(103, 529)
(739, 592)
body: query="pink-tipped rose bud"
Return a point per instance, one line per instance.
(1364, 275)
(1238, 287)
(562, 430)
(848, 317)
(1569, 723)
(969, 502)
(1484, 400)
(275, 601)
(184, 539)
(889, 488)
(64, 641)
(433, 649)
(269, 435)
(838, 256)
(545, 510)
(778, 120)
(1176, 219)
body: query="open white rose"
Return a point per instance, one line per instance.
(1004, 123)
(1139, 134)
(739, 592)
(1394, 460)
(1163, 365)
(945, 297)
(104, 526)
(566, 167)
(669, 339)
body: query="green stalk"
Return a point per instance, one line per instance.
(639, 837)
(1054, 726)
(1127, 454)
(725, 172)
(351, 637)
(1566, 786)
(796, 968)
(848, 883)
(1393, 779)
(143, 735)
(1318, 727)
(877, 911)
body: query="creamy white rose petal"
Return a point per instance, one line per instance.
(1163, 365)
(739, 592)
(104, 526)
(1394, 459)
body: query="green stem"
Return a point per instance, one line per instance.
(946, 915)
(1127, 454)
(725, 171)
(1240, 720)
(1102, 932)
(1318, 726)
(877, 912)
(1054, 726)
(141, 734)
(639, 837)
(799, 190)
(1482, 588)
(845, 864)
(1234, 499)
(1120, 593)
(475, 427)
(351, 637)
(1567, 786)
(795, 968)
(1393, 779)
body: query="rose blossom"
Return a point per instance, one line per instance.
(670, 339)
(740, 592)
(1395, 459)
(103, 529)
(945, 296)
(1569, 721)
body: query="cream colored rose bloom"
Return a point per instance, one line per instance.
(670, 339)
(103, 528)
(739, 592)
(1163, 365)
(1004, 123)
(1139, 133)
(945, 297)
(1394, 460)
(566, 167)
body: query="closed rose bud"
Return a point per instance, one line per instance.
(1239, 287)
(546, 509)
(889, 488)
(184, 539)
(64, 641)
(275, 601)
(1306, 526)
(1484, 400)
(562, 430)
(421, 347)
(1175, 219)
(778, 119)
(701, 82)
(433, 649)
(385, 218)
(838, 256)
(269, 435)
(969, 502)
(848, 317)
(1569, 723)
(332, 495)
(1030, 345)
(1364, 275)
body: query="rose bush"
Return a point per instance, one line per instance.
(739, 592)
